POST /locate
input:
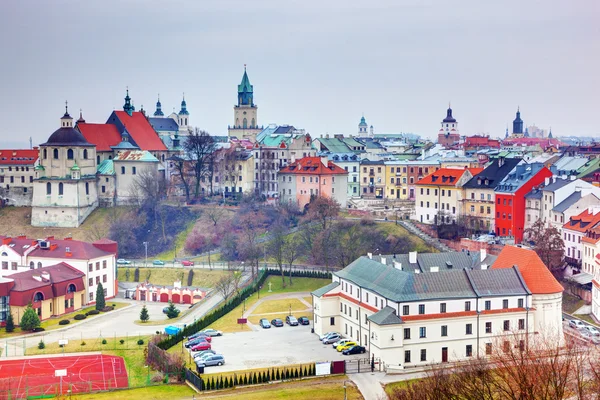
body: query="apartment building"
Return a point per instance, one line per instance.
(17, 171)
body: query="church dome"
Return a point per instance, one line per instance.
(66, 136)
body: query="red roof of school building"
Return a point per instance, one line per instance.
(312, 166)
(447, 176)
(51, 281)
(537, 276)
(102, 135)
(19, 157)
(57, 248)
(140, 130)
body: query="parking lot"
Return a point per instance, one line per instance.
(272, 347)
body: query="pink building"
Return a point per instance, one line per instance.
(177, 294)
(313, 176)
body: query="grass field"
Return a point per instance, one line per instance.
(228, 323)
(148, 393)
(166, 276)
(17, 220)
(179, 245)
(52, 323)
(273, 306)
(571, 303)
(389, 388)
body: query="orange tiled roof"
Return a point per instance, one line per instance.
(18, 157)
(537, 276)
(583, 221)
(102, 135)
(312, 166)
(447, 176)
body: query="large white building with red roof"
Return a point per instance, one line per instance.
(17, 170)
(95, 261)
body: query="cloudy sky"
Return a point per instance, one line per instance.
(315, 64)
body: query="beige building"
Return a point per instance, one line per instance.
(64, 188)
(234, 170)
(133, 169)
(17, 170)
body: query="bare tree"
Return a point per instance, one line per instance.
(214, 214)
(225, 286)
(276, 247)
(291, 252)
(547, 243)
(199, 148)
(181, 166)
(323, 209)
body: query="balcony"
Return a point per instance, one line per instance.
(573, 262)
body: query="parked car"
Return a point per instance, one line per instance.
(303, 321)
(187, 263)
(346, 346)
(592, 330)
(264, 323)
(215, 359)
(204, 353)
(158, 262)
(291, 320)
(277, 322)
(123, 261)
(212, 332)
(576, 324)
(332, 338)
(197, 335)
(196, 341)
(354, 350)
(201, 346)
(341, 342)
(323, 336)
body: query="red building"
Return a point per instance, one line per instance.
(510, 198)
(478, 142)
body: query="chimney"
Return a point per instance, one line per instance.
(68, 252)
(484, 266)
(53, 246)
(37, 278)
(69, 237)
(547, 181)
(45, 275)
(434, 269)
(34, 242)
(325, 161)
(482, 254)
(370, 255)
(553, 178)
(572, 177)
(22, 236)
(398, 265)
(412, 257)
(50, 237)
(383, 260)
(6, 240)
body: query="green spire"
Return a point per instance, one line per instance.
(245, 86)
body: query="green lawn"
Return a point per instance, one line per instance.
(178, 249)
(166, 276)
(53, 323)
(571, 303)
(273, 306)
(228, 323)
(148, 393)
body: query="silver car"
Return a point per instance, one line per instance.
(332, 338)
(210, 360)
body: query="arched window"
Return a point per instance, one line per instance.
(70, 154)
(85, 154)
(245, 123)
(97, 159)
(237, 122)
(253, 123)
(55, 154)
(32, 265)
(39, 296)
(87, 189)
(60, 189)
(48, 188)
(71, 288)
(39, 265)
(4, 254)
(45, 154)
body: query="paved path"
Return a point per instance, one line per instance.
(369, 385)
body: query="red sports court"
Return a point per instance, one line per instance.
(39, 376)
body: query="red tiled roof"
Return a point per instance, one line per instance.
(583, 221)
(59, 277)
(141, 131)
(447, 176)
(102, 135)
(79, 250)
(312, 166)
(18, 157)
(537, 277)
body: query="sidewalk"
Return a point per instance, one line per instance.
(370, 385)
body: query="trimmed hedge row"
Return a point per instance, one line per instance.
(251, 378)
(232, 303)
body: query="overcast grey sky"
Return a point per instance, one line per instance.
(315, 64)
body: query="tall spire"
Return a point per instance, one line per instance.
(66, 109)
(550, 133)
(158, 112)
(81, 120)
(183, 110)
(128, 106)
(245, 91)
(518, 123)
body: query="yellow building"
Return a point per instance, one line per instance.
(372, 179)
(396, 178)
(52, 291)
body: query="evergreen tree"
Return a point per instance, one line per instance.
(304, 371)
(277, 376)
(172, 312)
(268, 376)
(296, 373)
(235, 380)
(221, 382)
(245, 380)
(144, 316)
(10, 323)
(30, 319)
(287, 373)
(212, 383)
(100, 300)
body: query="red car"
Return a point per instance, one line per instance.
(201, 346)
(187, 263)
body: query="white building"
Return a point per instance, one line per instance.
(96, 260)
(413, 310)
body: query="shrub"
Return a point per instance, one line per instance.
(122, 341)
(136, 275)
(38, 329)
(30, 319)
(100, 300)
(92, 312)
(113, 305)
(41, 345)
(157, 377)
(64, 322)
(158, 332)
(107, 309)
(190, 277)
(83, 343)
(79, 317)
(140, 342)
(10, 323)
(104, 341)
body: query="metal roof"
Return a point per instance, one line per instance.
(385, 316)
(320, 292)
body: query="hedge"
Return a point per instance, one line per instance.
(232, 303)
(250, 378)
(79, 317)
(64, 322)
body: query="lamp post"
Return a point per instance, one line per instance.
(345, 394)
(265, 250)
(146, 259)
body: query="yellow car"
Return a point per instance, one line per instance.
(346, 346)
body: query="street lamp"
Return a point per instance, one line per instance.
(345, 394)
(146, 259)
(265, 250)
